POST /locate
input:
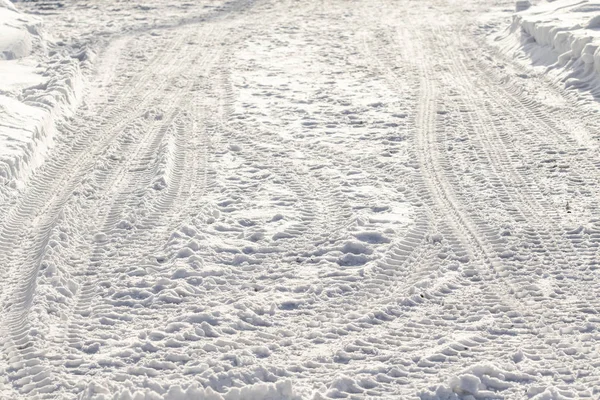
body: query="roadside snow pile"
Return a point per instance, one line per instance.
(563, 37)
(15, 42)
(38, 86)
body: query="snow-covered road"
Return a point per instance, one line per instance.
(282, 199)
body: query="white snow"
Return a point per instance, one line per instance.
(279, 199)
(561, 38)
(36, 91)
(282, 390)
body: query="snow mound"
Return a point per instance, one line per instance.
(37, 88)
(563, 37)
(16, 39)
(482, 381)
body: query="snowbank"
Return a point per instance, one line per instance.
(562, 36)
(38, 85)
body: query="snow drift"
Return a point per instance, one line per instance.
(39, 85)
(15, 42)
(563, 37)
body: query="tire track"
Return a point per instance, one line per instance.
(153, 182)
(21, 345)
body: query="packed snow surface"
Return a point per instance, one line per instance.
(280, 199)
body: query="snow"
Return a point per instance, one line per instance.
(261, 391)
(562, 37)
(34, 94)
(278, 199)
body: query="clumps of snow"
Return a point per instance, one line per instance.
(482, 381)
(549, 393)
(342, 385)
(372, 237)
(282, 390)
(561, 37)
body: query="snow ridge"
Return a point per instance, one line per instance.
(561, 36)
(41, 83)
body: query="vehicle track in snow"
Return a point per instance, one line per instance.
(503, 175)
(360, 198)
(137, 156)
(506, 180)
(51, 179)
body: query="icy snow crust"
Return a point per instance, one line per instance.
(280, 199)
